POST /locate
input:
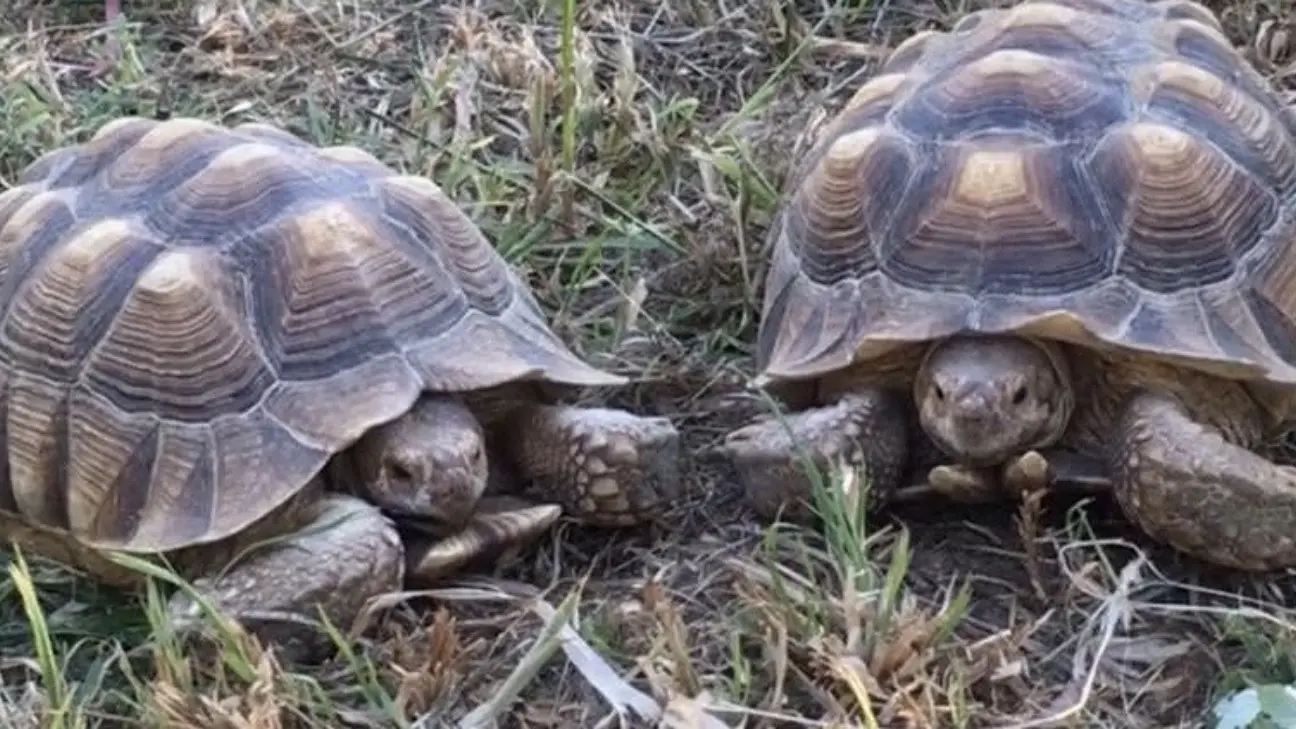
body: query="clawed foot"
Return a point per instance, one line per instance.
(1030, 472)
(1016, 478)
(607, 467)
(1188, 487)
(866, 430)
(500, 524)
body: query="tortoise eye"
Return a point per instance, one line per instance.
(939, 391)
(1019, 396)
(397, 472)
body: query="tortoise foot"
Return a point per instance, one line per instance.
(343, 552)
(606, 467)
(500, 525)
(1188, 487)
(1028, 472)
(1031, 471)
(965, 484)
(866, 429)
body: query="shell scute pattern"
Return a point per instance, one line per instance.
(1054, 30)
(180, 346)
(421, 209)
(910, 51)
(52, 328)
(1152, 174)
(180, 298)
(838, 217)
(1235, 122)
(69, 167)
(1205, 46)
(1053, 97)
(128, 178)
(1019, 205)
(1103, 172)
(215, 205)
(324, 280)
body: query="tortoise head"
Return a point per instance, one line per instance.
(983, 399)
(430, 463)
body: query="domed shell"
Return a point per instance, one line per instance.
(196, 318)
(1104, 172)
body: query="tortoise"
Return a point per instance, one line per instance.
(220, 336)
(1054, 240)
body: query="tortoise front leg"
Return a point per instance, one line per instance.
(606, 467)
(1187, 486)
(333, 554)
(500, 524)
(867, 427)
(323, 551)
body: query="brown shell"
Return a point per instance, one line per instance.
(1105, 172)
(196, 318)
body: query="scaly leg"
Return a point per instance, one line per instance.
(324, 551)
(867, 428)
(606, 467)
(1185, 485)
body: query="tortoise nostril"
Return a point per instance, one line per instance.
(974, 403)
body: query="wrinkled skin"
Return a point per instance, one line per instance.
(430, 463)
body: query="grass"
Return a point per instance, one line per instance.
(627, 156)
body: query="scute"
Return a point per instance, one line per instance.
(1189, 214)
(194, 319)
(1109, 173)
(179, 345)
(995, 218)
(835, 231)
(1243, 127)
(1052, 97)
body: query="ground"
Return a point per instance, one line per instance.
(627, 156)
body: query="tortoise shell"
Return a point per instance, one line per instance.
(196, 318)
(1107, 173)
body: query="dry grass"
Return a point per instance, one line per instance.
(628, 157)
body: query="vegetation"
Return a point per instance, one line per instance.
(627, 155)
